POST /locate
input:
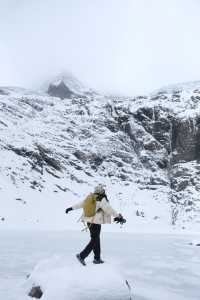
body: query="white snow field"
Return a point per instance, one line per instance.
(158, 267)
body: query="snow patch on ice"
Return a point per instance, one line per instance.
(61, 279)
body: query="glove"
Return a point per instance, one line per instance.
(68, 209)
(120, 219)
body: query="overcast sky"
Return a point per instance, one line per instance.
(119, 46)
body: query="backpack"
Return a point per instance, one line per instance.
(89, 205)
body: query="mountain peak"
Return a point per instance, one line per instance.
(66, 85)
(59, 89)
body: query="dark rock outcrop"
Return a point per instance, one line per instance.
(60, 90)
(35, 292)
(185, 140)
(39, 158)
(2, 92)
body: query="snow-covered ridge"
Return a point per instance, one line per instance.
(186, 86)
(145, 149)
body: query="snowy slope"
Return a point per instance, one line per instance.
(54, 151)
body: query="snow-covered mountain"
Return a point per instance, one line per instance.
(66, 85)
(55, 145)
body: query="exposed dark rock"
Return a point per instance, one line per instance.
(112, 126)
(21, 200)
(125, 157)
(194, 244)
(189, 202)
(32, 103)
(88, 174)
(147, 162)
(161, 132)
(180, 185)
(154, 123)
(143, 114)
(40, 157)
(2, 92)
(139, 213)
(160, 95)
(195, 99)
(142, 97)
(52, 173)
(61, 91)
(46, 156)
(182, 136)
(75, 165)
(124, 177)
(4, 124)
(157, 181)
(80, 155)
(64, 189)
(36, 292)
(74, 178)
(185, 140)
(95, 160)
(152, 145)
(163, 163)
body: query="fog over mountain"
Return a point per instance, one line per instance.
(127, 47)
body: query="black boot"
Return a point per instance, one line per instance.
(81, 260)
(98, 261)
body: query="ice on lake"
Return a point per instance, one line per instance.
(158, 267)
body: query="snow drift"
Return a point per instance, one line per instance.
(61, 279)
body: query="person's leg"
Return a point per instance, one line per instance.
(90, 245)
(97, 244)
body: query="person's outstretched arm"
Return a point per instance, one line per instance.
(76, 206)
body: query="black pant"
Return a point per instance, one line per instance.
(94, 244)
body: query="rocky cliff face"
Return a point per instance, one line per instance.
(62, 142)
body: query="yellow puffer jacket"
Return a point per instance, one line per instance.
(104, 211)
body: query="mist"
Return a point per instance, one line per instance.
(127, 47)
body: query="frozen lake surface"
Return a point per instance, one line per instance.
(158, 267)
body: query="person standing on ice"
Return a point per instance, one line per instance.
(96, 211)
